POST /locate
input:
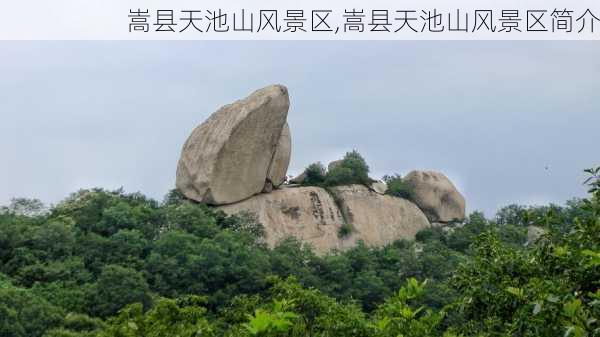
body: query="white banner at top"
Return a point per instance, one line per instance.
(305, 20)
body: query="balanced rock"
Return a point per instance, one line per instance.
(233, 154)
(315, 216)
(436, 196)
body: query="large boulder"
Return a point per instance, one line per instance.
(233, 154)
(378, 219)
(436, 196)
(316, 216)
(307, 213)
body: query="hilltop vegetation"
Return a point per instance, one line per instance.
(108, 263)
(352, 169)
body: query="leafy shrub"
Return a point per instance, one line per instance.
(352, 170)
(23, 314)
(430, 234)
(117, 287)
(243, 222)
(315, 174)
(397, 187)
(345, 230)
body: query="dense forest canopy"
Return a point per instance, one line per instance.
(108, 263)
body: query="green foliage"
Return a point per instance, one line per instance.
(396, 317)
(25, 207)
(105, 213)
(183, 317)
(352, 170)
(345, 230)
(430, 234)
(116, 287)
(463, 235)
(243, 222)
(271, 322)
(318, 314)
(397, 187)
(549, 290)
(315, 174)
(23, 314)
(192, 218)
(178, 268)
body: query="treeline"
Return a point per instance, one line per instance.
(107, 263)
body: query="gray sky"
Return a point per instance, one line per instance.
(491, 115)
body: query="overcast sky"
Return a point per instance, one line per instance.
(508, 122)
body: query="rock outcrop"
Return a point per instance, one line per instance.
(378, 219)
(237, 160)
(315, 216)
(307, 213)
(436, 196)
(239, 149)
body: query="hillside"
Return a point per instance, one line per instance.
(105, 263)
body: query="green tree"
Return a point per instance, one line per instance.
(184, 317)
(26, 207)
(396, 317)
(116, 287)
(315, 174)
(23, 314)
(353, 169)
(397, 187)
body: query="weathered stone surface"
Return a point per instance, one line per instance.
(281, 158)
(379, 187)
(436, 196)
(227, 158)
(378, 219)
(307, 213)
(313, 216)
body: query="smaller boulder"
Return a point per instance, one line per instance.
(436, 196)
(299, 179)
